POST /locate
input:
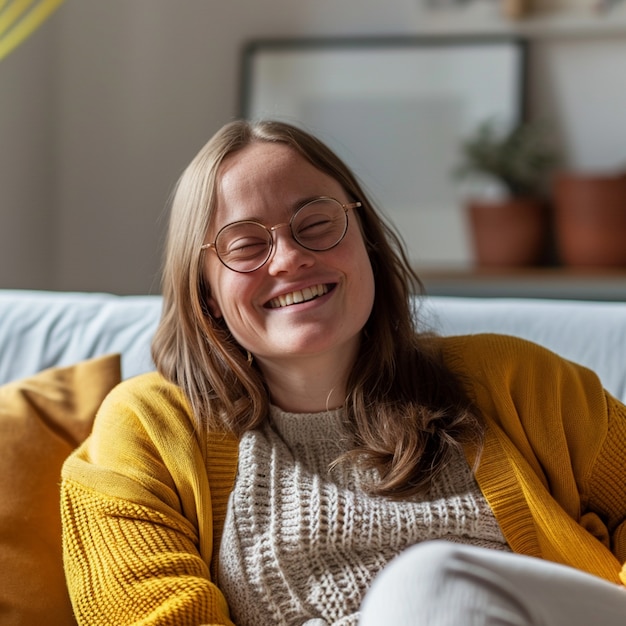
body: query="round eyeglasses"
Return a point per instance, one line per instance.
(318, 225)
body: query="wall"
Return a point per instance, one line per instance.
(580, 84)
(27, 173)
(104, 106)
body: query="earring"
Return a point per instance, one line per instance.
(250, 357)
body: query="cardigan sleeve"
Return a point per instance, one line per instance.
(562, 442)
(607, 482)
(137, 516)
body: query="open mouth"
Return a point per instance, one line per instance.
(297, 297)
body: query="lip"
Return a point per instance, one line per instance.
(319, 289)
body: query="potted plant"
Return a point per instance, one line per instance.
(509, 169)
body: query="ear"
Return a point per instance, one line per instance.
(213, 307)
(208, 302)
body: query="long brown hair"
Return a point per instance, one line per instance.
(405, 410)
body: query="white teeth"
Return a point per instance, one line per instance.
(295, 297)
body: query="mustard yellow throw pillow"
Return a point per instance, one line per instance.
(42, 419)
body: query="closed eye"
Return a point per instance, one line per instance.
(244, 248)
(316, 225)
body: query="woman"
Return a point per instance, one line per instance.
(300, 435)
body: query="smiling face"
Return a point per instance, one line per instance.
(300, 303)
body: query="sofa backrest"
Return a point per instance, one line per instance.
(43, 329)
(590, 333)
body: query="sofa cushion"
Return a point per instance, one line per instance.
(42, 419)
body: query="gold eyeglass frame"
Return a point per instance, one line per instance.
(271, 229)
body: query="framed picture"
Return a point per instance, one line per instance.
(396, 110)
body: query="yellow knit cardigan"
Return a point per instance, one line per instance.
(144, 500)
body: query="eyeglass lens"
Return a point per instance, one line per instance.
(318, 225)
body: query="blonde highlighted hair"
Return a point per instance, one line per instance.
(400, 424)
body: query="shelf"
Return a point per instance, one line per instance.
(478, 21)
(605, 284)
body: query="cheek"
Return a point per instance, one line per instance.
(358, 265)
(367, 273)
(228, 292)
(367, 285)
(361, 257)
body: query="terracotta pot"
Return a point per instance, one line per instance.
(508, 233)
(515, 9)
(590, 219)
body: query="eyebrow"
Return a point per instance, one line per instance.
(296, 205)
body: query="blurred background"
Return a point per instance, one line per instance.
(103, 106)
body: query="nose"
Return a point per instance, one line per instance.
(287, 254)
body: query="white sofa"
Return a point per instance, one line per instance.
(43, 329)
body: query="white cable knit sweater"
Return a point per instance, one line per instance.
(303, 545)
